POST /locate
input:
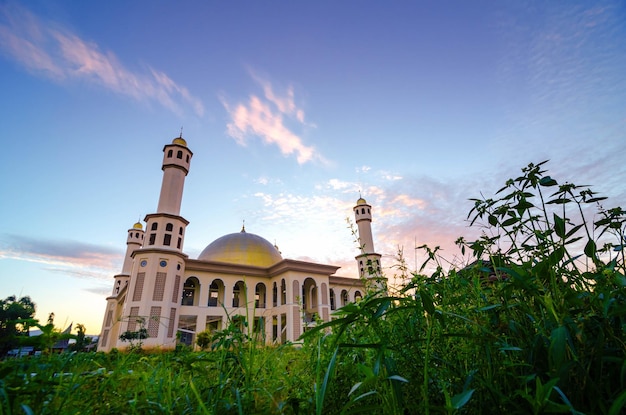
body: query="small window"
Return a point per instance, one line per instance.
(180, 230)
(274, 295)
(368, 211)
(154, 226)
(187, 158)
(180, 242)
(167, 239)
(283, 292)
(137, 235)
(169, 153)
(169, 227)
(152, 238)
(179, 154)
(362, 210)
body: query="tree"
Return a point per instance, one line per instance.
(16, 316)
(81, 340)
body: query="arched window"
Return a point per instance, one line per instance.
(362, 210)
(216, 293)
(309, 300)
(190, 291)
(154, 226)
(259, 295)
(169, 153)
(332, 299)
(179, 154)
(357, 296)
(169, 227)
(180, 230)
(344, 297)
(167, 239)
(187, 158)
(239, 291)
(283, 292)
(274, 295)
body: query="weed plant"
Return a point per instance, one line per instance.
(536, 323)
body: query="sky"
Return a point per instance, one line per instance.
(292, 110)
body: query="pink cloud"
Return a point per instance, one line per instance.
(264, 117)
(77, 258)
(56, 53)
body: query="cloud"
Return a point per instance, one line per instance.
(69, 257)
(266, 117)
(48, 50)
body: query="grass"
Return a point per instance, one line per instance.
(537, 324)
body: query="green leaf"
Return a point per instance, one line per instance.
(559, 201)
(618, 404)
(460, 399)
(596, 199)
(559, 226)
(493, 221)
(557, 351)
(590, 248)
(547, 181)
(523, 205)
(427, 302)
(398, 378)
(510, 221)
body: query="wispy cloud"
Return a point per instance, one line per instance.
(267, 117)
(69, 257)
(51, 51)
(407, 212)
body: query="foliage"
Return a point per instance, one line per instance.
(16, 317)
(535, 324)
(136, 337)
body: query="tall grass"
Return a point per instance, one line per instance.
(535, 324)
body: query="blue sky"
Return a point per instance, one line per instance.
(290, 109)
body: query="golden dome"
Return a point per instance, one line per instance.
(242, 248)
(138, 225)
(179, 140)
(361, 201)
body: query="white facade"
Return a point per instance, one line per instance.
(238, 276)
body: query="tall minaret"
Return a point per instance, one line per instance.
(368, 261)
(154, 291)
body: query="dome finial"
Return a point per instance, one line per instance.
(243, 226)
(181, 132)
(361, 201)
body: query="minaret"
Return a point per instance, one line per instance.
(176, 158)
(154, 291)
(368, 261)
(133, 242)
(110, 326)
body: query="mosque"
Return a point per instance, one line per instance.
(238, 277)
